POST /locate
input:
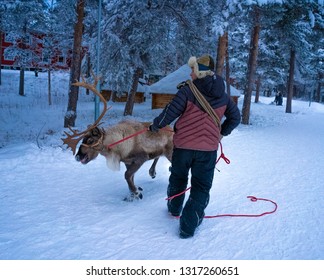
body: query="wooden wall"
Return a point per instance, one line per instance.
(139, 96)
(235, 99)
(160, 100)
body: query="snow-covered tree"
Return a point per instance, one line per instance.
(239, 24)
(150, 35)
(272, 61)
(2, 12)
(21, 18)
(314, 69)
(293, 30)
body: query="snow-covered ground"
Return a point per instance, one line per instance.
(52, 207)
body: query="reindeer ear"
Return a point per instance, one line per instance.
(95, 131)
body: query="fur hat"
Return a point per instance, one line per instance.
(202, 66)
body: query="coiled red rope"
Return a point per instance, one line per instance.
(252, 198)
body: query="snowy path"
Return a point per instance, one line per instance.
(51, 207)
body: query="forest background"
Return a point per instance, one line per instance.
(257, 44)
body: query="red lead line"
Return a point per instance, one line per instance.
(126, 138)
(133, 135)
(252, 198)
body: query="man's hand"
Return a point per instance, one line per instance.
(152, 128)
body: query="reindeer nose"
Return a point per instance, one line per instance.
(77, 157)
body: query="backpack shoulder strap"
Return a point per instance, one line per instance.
(204, 103)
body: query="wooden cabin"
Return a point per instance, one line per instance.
(139, 95)
(235, 94)
(160, 100)
(164, 90)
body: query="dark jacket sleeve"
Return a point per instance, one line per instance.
(233, 118)
(173, 110)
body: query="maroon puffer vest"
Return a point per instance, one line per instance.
(196, 130)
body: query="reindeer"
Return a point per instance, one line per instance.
(129, 142)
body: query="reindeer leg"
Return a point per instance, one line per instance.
(152, 171)
(168, 155)
(136, 193)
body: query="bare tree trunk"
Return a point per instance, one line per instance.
(22, 81)
(221, 53)
(0, 55)
(88, 70)
(251, 69)
(70, 116)
(318, 90)
(227, 73)
(290, 80)
(22, 63)
(131, 96)
(113, 95)
(257, 91)
(49, 87)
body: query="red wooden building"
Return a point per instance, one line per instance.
(40, 58)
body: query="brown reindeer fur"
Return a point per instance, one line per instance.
(132, 152)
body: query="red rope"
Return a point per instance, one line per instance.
(252, 198)
(178, 194)
(222, 155)
(133, 135)
(126, 138)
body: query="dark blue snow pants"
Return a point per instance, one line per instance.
(202, 166)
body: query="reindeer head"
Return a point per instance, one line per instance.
(73, 139)
(91, 145)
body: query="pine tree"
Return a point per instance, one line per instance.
(292, 30)
(22, 18)
(149, 35)
(239, 25)
(272, 60)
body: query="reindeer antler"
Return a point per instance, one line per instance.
(73, 139)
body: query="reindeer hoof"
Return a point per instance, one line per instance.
(152, 174)
(134, 196)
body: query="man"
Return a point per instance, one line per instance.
(196, 141)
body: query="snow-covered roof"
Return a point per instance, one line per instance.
(235, 92)
(141, 87)
(169, 83)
